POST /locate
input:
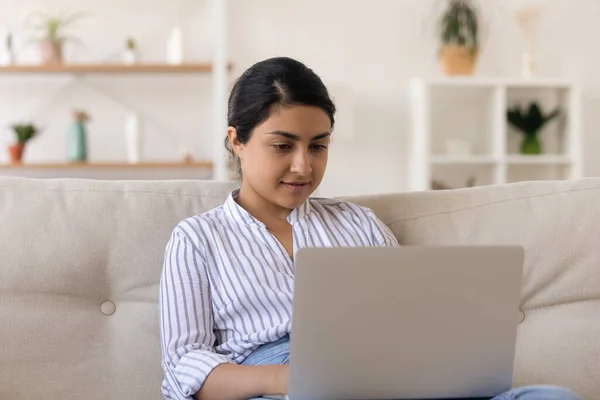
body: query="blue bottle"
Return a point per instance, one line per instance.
(77, 144)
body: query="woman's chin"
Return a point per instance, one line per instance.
(293, 197)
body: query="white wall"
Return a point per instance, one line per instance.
(375, 46)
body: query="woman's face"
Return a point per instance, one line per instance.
(284, 161)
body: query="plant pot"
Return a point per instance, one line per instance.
(130, 57)
(52, 52)
(457, 60)
(531, 145)
(16, 152)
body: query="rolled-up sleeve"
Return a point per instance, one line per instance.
(186, 319)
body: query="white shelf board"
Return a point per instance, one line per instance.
(542, 159)
(492, 82)
(463, 160)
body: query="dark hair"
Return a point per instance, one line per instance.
(281, 81)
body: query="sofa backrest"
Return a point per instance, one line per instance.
(80, 263)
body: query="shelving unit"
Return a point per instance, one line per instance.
(218, 68)
(460, 132)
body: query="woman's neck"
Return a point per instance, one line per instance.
(260, 208)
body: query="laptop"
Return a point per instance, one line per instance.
(415, 322)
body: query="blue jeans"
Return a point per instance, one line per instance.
(279, 353)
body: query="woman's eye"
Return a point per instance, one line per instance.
(282, 147)
(318, 147)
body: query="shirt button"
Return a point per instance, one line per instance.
(521, 316)
(108, 308)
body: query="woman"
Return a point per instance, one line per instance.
(226, 287)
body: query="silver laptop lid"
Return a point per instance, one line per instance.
(408, 322)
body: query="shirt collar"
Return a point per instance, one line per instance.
(239, 214)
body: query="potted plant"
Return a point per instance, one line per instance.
(459, 36)
(131, 55)
(52, 35)
(24, 133)
(530, 122)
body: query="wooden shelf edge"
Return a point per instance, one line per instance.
(109, 165)
(108, 68)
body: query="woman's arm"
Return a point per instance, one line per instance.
(186, 318)
(242, 382)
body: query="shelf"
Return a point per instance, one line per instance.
(516, 159)
(109, 165)
(463, 160)
(108, 69)
(491, 82)
(538, 160)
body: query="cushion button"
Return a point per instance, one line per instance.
(521, 316)
(108, 308)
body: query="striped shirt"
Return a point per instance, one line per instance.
(226, 284)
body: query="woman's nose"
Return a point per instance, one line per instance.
(301, 164)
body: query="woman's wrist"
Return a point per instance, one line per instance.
(275, 379)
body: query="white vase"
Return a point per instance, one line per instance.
(175, 47)
(133, 138)
(130, 57)
(527, 64)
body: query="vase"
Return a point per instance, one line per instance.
(175, 46)
(531, 145)
(133, 138)
(16, 152)
(77, 148)
(130, 57)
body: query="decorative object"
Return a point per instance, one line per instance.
(77, 145)
(459, 36)
(530, 123)
(52, 35)
(133, 138)
(131, 52)
(186, 155)
(24, 133)
(9, 57)
(527, 15)
(175, 46)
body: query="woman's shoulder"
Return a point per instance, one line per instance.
(200, 225)
(341, 207)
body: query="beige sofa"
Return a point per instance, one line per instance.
(80, 264)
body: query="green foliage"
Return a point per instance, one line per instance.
(529, 121)
(53, 28)
(131, 44)
(459, 24)
(24, 132)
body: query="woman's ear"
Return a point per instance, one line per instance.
(234, 142)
